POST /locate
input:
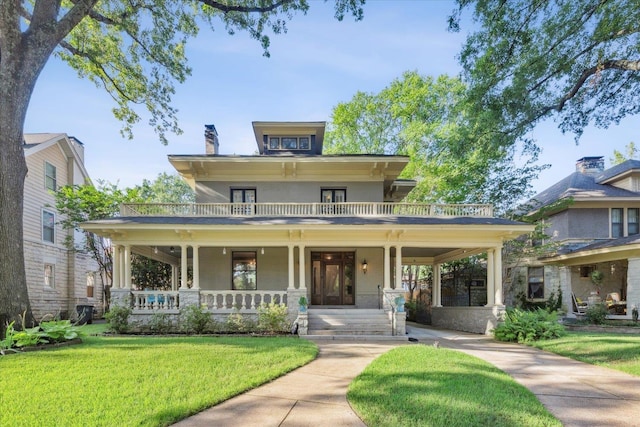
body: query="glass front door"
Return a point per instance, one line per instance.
(333, 278)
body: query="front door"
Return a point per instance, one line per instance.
(333, 278)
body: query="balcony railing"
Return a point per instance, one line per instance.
(306, 209)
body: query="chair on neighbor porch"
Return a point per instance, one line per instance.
(614, 305)
(579, 306)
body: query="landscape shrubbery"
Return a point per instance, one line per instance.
(47, 332)
(527, 326)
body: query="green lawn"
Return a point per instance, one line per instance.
(141, 381)
(615, 351)
(426, 386)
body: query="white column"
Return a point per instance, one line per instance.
(183, 267)
(115, 272)
(387, 267)
(398, 284)
(491, 277)
(174, 277)
(437, 287)
(301, 268)
(497, 272)
(196, 267)
(633, 289)
(291, 269)
(127, 267)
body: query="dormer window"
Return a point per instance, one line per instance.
(289, 143)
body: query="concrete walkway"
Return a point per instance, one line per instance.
(577, 394)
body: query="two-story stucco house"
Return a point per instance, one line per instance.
(58, 278)
(598, 229)
(291, 222)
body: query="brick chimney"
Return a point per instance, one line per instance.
(211, 139)
(590, 165)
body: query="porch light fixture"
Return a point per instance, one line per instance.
(155, 249)
(262, 251)
(364, 266)
(224, 251)
(171, 249)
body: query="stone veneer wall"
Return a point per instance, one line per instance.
(479, 320)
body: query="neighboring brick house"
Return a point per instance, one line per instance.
(291, 222)
(598, 229)
(58, 279)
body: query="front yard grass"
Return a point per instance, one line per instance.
(615, 351)
(142, 381)
(426, 386)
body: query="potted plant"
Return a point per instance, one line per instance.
(302, 304)
(596, 278)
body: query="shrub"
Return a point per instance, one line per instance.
(527, 326)
(237, 323)
(596, 314)
(60, 330)
(160, 323)
(272, 318)
(195, 320)
(118, 319)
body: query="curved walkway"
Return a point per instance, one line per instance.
(578, 394)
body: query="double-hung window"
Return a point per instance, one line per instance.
(244, 272)
(617, 221)
(49, 275)
(535, 287)
(48, 226)
(50, 180)
(633, 215)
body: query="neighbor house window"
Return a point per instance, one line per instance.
(48, 226)
(244, 271)
(632, 221)
(91, 278)
(616, 222)
(50, 181)
(535, 289)
(49, 276)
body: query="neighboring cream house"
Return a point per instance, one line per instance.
(598, 229)
(291, 222)
(58, 279)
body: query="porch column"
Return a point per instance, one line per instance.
(127, 267)
(291, 269)
(183, 267)
(437, 287)
(387, 267)
(196, 267)
(301, 268)
(115, 273)
(174, 277)
(398, 284)
(491, 277)
(497, 273)
(633, 289)
(564, 283)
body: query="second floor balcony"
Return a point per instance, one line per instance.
(346, 209)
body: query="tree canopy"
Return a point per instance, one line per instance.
(135, 50)
(454, 158)
(630, 152)
(577, 62)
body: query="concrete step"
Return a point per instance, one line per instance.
(349, 322)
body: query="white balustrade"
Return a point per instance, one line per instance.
(243, 301)
(155, 300)
(370, 209)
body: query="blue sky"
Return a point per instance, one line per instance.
(317, 64)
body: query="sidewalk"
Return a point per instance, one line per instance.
(577, 394)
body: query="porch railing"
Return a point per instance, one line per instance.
(155, 300)
(306, 209)
(226, 301)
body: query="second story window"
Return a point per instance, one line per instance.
(617, 222)
(50, 180)
(332, 195)
(243, 196)
(48, 226)
(633, 215)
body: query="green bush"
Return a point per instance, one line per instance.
(596, 314)
(272, 318)
(237, 323)
(160, 323)
(527, 326)
(60, 330)
(118, 319)
(195, 320)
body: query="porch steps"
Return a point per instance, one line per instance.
(349, 324)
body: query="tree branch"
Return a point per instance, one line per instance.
(226, 8)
